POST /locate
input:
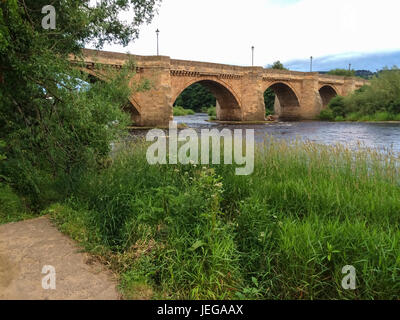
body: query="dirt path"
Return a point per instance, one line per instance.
(26, 247)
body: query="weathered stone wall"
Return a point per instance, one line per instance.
(239, 90)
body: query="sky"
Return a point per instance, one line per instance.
(223, 31)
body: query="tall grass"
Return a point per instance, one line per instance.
(12, 207)
(285, 232)
(180, 111)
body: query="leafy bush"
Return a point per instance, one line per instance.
(12, 208)
(381, 96)
(269, 101)
(326, 115)
(354, 116)
(179, 111)
(54, 131)
(212, 111)
(338, 106)
(378, 101)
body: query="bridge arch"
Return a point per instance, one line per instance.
(287, 103)
(228, 103)
(327, 93)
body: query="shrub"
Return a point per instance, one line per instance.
(354, 116)
(179, 111)
(212, 112)
(12, 208)
(378, 101)
(383, 116)
(337, 105)
(326, 115)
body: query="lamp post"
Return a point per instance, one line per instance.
(311, 58)
(252, 56)
(158, 32)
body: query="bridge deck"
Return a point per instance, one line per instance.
(117, 59)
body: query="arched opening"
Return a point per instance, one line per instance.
(327, 93)
(281, 101)
(212, 97)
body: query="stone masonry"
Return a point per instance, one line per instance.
(239, 90)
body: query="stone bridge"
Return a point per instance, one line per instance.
(239, 90)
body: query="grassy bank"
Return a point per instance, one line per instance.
(327, 115)
(285, 232)
(12, 208)
(179, 111)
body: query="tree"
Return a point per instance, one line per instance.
(342, 72)
(338, 106)
(52, 129)
(196, 97)
(269, 101)
(278, 65)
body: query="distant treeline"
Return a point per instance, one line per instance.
(365, 74)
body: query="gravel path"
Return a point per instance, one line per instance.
(26, 247)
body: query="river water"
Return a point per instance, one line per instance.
(379, 136)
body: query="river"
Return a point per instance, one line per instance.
(379, 136)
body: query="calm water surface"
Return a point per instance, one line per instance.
(378, 136)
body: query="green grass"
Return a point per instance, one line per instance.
(212, 112)
(179, 111)
(285, 232)
(12, 208)
(379, 116)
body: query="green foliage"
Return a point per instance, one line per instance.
(195, 97)
(278, 65)
(285, 232)
(378, 101)
(179, 111)
(54, 131)
(338, 106)
(12, 208)
(269, 101)
(212, 111)
(326, 115)
(342, 72)
(169, 218)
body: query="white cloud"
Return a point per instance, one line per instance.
(223, 31)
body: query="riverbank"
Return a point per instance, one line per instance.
(285, 232)
(365, 121)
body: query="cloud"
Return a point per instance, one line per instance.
(359, 61)
(223, 31)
